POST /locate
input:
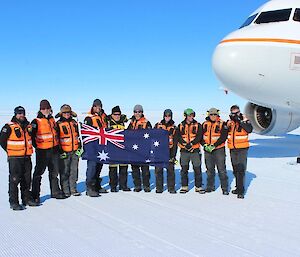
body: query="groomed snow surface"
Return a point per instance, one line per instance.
(128, 224)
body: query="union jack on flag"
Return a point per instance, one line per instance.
(90, 134)
(117, 146)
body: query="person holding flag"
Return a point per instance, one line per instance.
(138, 121)
(117, 120)
(167, 124)
(97, 119)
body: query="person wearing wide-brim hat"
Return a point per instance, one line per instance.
(70, 150)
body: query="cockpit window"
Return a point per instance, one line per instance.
(297, 15)
(274, 16)
(249, 21)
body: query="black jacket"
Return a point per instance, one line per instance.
(6, 131)
(173, 150)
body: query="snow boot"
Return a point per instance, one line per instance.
(184, 190)
(200, 190)
(17, 207)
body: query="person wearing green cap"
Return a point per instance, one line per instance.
(215, 134)
(189, 135)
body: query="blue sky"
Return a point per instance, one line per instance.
(154, 52)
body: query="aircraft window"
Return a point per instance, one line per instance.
(249, 21)
(274, 16)
(297, 15)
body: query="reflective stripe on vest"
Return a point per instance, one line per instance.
(68, 136)
(237, 136)
(21, 144)
(212, 132)
(171, 131)
(189, 133)
(46, 136)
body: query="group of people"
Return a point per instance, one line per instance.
(58, 147)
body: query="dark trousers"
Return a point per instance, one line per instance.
(216, 158)
(93, 174)
(185, 159)
(136, 174)
(46, 158)
(69, 173)
(19, 173)
(159, 175)
(114, 179)
(239, 166)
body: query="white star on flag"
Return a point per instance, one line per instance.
(103, 156)
(152, 152)
(135, 147)
(156, 143)
(146, 135)
(148, 161)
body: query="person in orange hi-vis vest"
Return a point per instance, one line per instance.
(167, 124)
(215, 133)
(70, 150)
(15, 139)
(138, 121)
(97, 119)
(189, 135)
(45, 141)
(238, 129)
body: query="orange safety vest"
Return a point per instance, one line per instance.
(19, 142)
(46, 136)
(188, 133)
(237, 136)
(139, 124)
(171, 130)
(212, 132)
(68, 136)
(98, 121)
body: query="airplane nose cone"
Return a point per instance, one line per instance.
(226, 66)
(236, 67)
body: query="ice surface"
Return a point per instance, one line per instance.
(265, 223)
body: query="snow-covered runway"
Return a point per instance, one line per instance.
(265, 223)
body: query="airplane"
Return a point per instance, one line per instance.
(261, 63)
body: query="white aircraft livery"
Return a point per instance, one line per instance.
(261, 63)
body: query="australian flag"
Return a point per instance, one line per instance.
(117, 146)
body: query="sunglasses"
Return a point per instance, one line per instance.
(66, 113)
(167, 115)
(117, 114)
(213, 114)
(137, 112)
(235, 113)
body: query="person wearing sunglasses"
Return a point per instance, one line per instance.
(45, 141)
(215, 133)
(15, 139)
(138, 121)
(117, 120)
(189, 134)
(97, 119)
(70, 150)
(239, 128)
(167, 124)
